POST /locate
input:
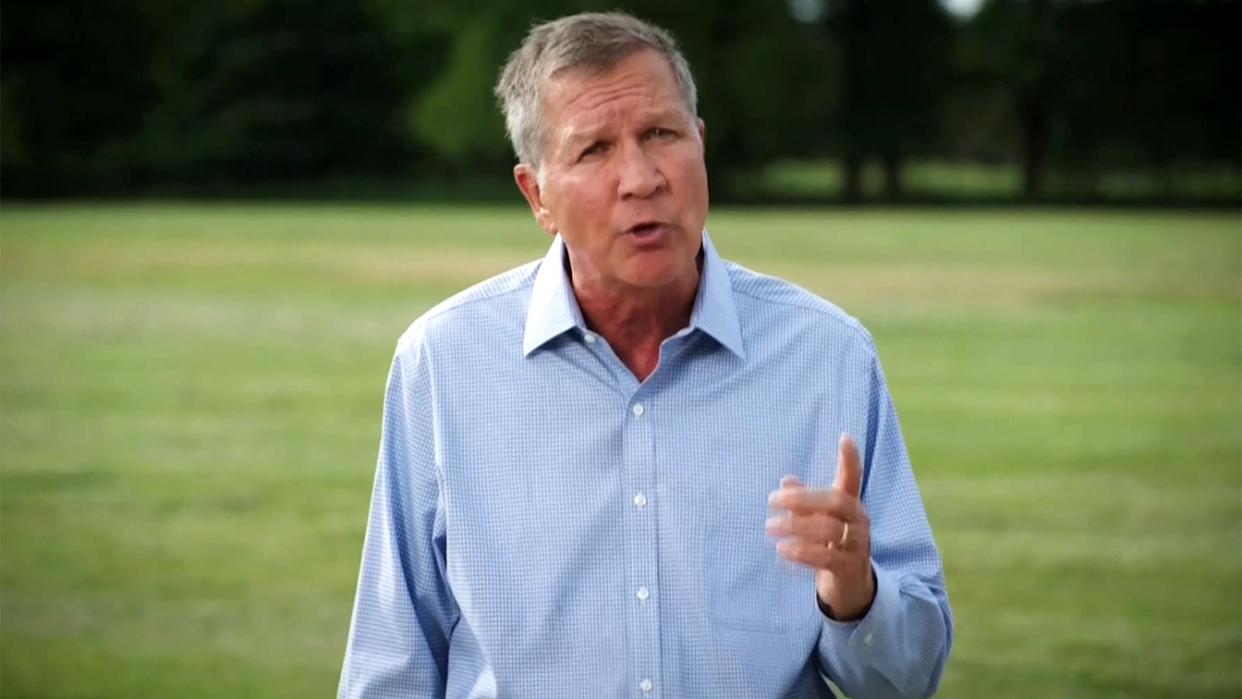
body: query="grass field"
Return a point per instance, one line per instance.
(189, 414)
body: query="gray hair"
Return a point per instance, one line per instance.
(590, 41)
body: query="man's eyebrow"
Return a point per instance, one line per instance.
(660, 115)
(573, 136)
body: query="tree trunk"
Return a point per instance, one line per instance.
(894, 188)
(847, 17)
(1033, 103)
(1034, 143)
(853, 191)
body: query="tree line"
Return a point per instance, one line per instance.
(103, 97)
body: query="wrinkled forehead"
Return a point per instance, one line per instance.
(589, 98)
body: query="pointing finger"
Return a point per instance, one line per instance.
(849, 471)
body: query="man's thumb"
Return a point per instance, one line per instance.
(849, 469)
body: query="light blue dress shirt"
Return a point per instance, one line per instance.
(544, 526)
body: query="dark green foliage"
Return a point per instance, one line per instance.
(288, 90)
(76, 81)
(108, 96)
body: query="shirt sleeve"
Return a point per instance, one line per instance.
(900, 647)
(403, 613)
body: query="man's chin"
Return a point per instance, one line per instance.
(654, 278)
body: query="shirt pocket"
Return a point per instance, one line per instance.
(748, 585)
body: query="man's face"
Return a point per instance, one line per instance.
(624, 179)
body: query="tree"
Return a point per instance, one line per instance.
(280, 90)
(76, 87)
(894, 62)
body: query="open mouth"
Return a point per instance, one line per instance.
(647, 230)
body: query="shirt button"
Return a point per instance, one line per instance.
(640, 500)
(645, 685)
(643, 594)
(590, 338)
(867, 640)
(638, 409)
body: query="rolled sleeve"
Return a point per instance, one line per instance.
(878, 656)
(864, 636)
(898, 650)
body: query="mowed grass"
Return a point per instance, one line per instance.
(190, 402)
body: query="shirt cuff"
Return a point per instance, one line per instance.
(868, 637)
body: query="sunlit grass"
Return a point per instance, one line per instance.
(189, 415)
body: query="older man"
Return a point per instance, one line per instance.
(597, 472)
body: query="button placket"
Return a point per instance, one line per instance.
(642, 543)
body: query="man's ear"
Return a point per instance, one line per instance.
(528, 182)
(702, 131)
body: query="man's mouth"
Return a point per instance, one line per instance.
(647, 230)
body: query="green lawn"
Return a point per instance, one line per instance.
(190, 413)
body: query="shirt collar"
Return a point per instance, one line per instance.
(554, 309)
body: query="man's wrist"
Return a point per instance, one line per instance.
(861, 614)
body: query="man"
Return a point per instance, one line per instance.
(596, 471)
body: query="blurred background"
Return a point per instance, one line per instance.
(217, 218)
(1111, 100)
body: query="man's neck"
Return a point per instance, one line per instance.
(636, 323)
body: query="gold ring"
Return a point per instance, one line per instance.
(845, 535)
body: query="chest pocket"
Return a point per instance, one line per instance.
(749, 586)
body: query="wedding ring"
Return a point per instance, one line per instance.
(845, 535)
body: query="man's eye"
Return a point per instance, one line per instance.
(592, 149)
(660, 132)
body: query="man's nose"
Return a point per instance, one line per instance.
(640, 175)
